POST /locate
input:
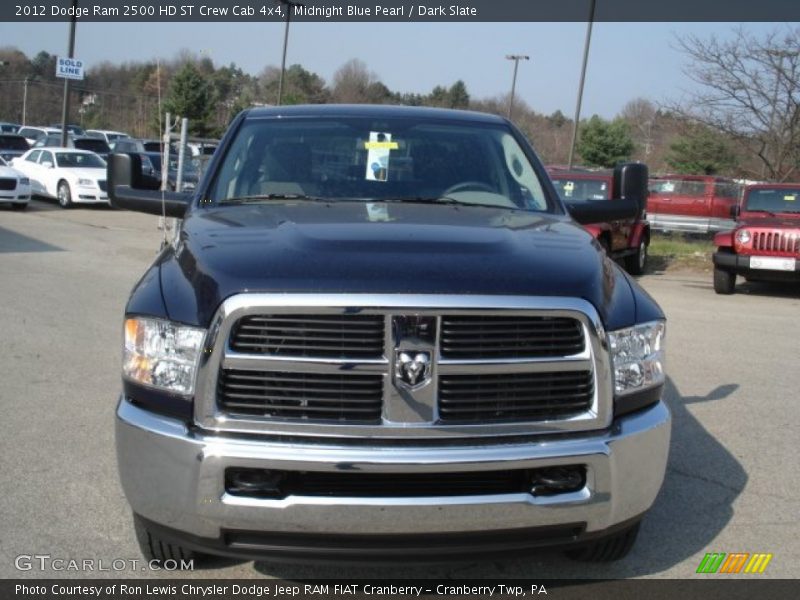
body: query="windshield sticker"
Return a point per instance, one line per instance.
(790, 197)
(378, 148)
(569, 187)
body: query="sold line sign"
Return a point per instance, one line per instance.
(69, 68)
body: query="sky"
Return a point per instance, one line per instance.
(627, 60)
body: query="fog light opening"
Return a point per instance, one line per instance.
(261, 483)
(550, 481)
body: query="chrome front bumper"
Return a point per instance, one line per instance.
(174, 477)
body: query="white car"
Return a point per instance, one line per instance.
(69, 175)
(15, 188)
(31, 134)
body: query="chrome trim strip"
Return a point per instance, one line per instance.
(209, 417)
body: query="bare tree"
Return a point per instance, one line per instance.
(353, 82)
(749, 88)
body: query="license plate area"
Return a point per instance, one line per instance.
(772, 263)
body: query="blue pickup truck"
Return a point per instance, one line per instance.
(379, 335)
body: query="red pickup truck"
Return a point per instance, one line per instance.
(625, 239)
(692, 203)
(765, 244)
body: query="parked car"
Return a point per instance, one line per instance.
(12, 146)
(128, 145)
(765, 244)
(96, 145)
(692, 203)
(15, 187)
(72, 129)
(34, 133)
(380, 333)
(71, 176)
(9, 127)
(107, 135)
(623, 239)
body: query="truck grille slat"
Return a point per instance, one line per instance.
(779, 243)
(510, 337)
(465, 398)
(312, 336)
(276, 394)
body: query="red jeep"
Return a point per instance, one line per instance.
(625, 239)
(765, 245)
(691, 203)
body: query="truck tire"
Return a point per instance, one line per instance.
(156, 549)
(724, 281)
(607, 549)
(635, 264)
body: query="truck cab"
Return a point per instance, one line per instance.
(692, 203)
(624, 239)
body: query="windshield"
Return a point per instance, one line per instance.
(393, 159)
(578, 190)
(774, 200)
(80, 160)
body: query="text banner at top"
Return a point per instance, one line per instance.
(401, 10)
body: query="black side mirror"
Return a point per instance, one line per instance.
(603, 211)
(126, 189)
(630, 182)
(735, 211)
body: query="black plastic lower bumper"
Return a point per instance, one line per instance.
(740, 264)
(377, 549)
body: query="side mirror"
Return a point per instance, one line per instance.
(125, 189)
(736, 210)
(630, 183)
(603, 211)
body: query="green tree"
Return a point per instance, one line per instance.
(459, 97)
(603, 143)
(701, 151)
(190, 96)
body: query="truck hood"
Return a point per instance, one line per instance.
(312, 247)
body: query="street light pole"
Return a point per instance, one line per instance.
(289, 6)
(516, 58)
(580, 86)
(65, 105)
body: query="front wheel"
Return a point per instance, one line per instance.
(607, 549)
(635, 263)
(64, 195)
(724, 281)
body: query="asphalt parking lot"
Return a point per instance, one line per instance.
(731, 484)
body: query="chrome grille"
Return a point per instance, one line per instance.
(510, 337)
(323, 336)
(514, 396)
(277, 394)
(337, 365)
(783, 242)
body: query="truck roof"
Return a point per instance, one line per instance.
(374, 111)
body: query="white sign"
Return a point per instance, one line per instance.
(69, 68)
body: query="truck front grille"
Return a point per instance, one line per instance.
(782, 242)
(323, 336)
(514, 396)
(366, 367)
(510, 337)
(275, 394)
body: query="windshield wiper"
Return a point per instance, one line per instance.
(262, 197)
(762, 210)
(421, 199)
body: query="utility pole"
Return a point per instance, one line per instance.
(516, 58)
(25, 100)
(289, 6)
(580, 86)
(65, 105)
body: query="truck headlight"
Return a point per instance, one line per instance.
(637, 354)
(162, 354)
(743, 236)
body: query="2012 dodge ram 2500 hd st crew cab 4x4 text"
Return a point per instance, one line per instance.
(380, 335)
